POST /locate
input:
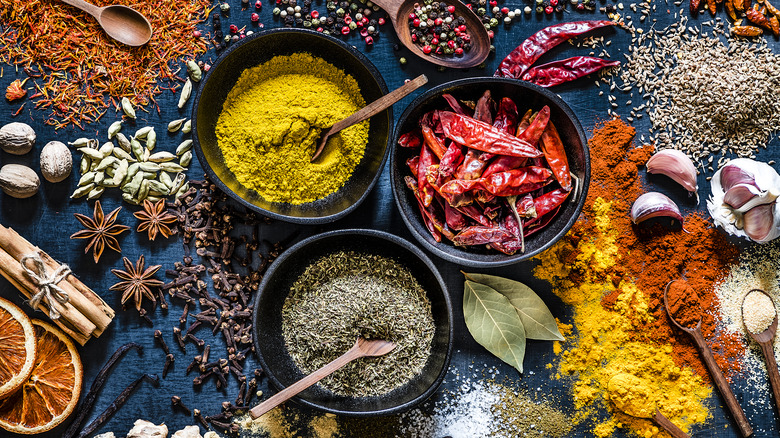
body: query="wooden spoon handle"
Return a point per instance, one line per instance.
(771, 368)
(668, 426)
(84, 6)
(721, 383)
(289, 392)
(380, 104)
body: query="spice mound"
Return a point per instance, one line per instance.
(632, 395)
(758, 311)
(345, 295)
(271, 120)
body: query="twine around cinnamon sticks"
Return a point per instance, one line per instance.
(82, 313)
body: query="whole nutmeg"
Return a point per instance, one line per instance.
(19, 181)
(56, 162)
(17, 138)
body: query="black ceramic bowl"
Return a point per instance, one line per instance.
(269, 343)
(526, 96)
(257, 49)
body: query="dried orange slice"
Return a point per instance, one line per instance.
(17, 354)
(52, 391)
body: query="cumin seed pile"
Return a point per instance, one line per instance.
(345, 295)
(705, 97)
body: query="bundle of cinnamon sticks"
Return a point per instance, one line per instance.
(84, 314)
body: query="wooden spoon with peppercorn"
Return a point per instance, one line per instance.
(121, 23)
(368, 111)
(464, 31)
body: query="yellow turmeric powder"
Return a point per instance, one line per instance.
(272, 118)
(611, 340)
(632, 395)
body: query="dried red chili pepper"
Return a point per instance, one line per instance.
(479, 235)
(425, 161)
(412, 184)
(411, 140)
(712, 6)
(506, 117)
(729, 5)
(455, 219)
(532, 133)
(452, 199)
(483, 111)
(542, 222)
(774, 24)
(566, 70)
(758, 18)
(510, 183)
(413, 163)
(555, 154)
(771, 9)
(694, 6)
(548, 202)
(457, 106)
(746, 31)
(432, 141)
(474, 213)
(472, 166)
(483, 137)
(527, 53)
(450, 161)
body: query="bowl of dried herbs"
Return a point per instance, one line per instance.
(329, 289)
(259, 112)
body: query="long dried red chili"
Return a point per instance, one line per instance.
(425, 161)
(526, 54)
(483, 137)
(510, 183)
(555, 154)
(566, 70)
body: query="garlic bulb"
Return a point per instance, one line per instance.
(677, 166)
(654, 204)
(744, 200)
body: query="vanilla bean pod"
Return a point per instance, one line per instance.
(89, 399)
(120, 400)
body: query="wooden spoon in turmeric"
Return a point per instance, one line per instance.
(635, 397)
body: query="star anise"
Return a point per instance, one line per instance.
(137, 282)
(100, 230)
(155, 219)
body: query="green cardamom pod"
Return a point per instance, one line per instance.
(122, 155)
(186, 91)
(147, 153)
(182, 190)
(165, 178)
(84, 164)
(171, 167)
(124, 143)
(187, 127)
(161, 157)
(106, 149)
(158, 187)
(114, 129)
(151, 140)
(178, 181)
(95, 193)
(138, 150)
(121, 172)
(91, 153)
(80, 142)
(142, 132)
(184, 147)
(127, 197)
(143, 192)
(194, 71)
(82, 191)
(127, 107)
(186, 159)
(86, 178)
(150, 167)
(175, 125)
(99, 176)
(153, 199)
(106, 162)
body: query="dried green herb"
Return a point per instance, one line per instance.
(494, 323)
(345, 295)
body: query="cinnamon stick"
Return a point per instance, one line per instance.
(17, 247)
(71, 320)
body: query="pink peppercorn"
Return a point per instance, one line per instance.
(369, 40)
(451, 9)
(505, 10)
(435, 41)
(553, 3)
(412, 16)
(364, 20)
(451, 44)
(364, 32)
(381, 21)
(438, 21)
(414, 38)
(315, 14)
(459, 51)
(427, 49)
(347, 19)
(493, 3)
(345, 30)
(416, 22)
(196, 34)
(258, 4)
(255, 18)
(242, 36)
(491, 34)
(233, 28)
(548, 10)
(319, 29)
(580, 7)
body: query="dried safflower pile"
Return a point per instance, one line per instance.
(78, 72)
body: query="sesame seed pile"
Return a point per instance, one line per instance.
(705, 94)
(758, 312)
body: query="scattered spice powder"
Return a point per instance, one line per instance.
(614, 273)
(79, 72)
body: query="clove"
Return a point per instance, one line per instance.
(654, 204)
(177, 403)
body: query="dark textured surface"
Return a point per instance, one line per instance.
(47, 219)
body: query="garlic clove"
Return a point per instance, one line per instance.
(740, 194)
(732, 174)
(759, 222)
(677, 166)
(654, 204)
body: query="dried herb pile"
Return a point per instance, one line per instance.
(78, 72)
(345, 295)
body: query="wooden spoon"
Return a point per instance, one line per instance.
(657, 417)
(764, 339)
(362, 348)
(121, 23)
(398, 11)
(369, 111)
(715, 371)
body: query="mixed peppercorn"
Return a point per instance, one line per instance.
(436, 28)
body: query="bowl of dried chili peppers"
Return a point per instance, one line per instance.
(260, 160)
(489, 171)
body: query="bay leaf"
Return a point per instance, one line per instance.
(494, 323)
(537, 319)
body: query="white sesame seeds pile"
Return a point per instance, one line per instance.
(703, 97)
(758, 312)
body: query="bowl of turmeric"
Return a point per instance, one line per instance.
(260, 111)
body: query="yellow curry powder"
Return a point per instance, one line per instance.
(272, 118)
(611, 342)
